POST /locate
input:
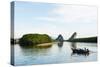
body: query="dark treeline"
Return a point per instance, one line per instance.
(29, 39)
(88, 39)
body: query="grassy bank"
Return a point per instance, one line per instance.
(45, 45)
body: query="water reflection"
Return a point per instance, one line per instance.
(34, 50)
(57, 53)
(84, 54)
(73, 45)
(60, 44)
(38, 47)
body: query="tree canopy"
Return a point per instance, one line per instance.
(33, 39)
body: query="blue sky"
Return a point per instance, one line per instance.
(54, 19)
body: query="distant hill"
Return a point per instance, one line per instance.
(33, 39)
(88, 39)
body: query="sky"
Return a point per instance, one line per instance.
(54, 19)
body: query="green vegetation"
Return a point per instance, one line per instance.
(88, 39)
(33, 39)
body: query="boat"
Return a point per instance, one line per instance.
(80, 51)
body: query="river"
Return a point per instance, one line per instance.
(57, 53)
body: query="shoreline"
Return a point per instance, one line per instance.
(45, 44)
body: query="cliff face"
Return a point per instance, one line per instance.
(60, 38)
(73, 36)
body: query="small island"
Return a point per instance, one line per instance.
(35, 39)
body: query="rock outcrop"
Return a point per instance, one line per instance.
(60, 38)
(73, 36)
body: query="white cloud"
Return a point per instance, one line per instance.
(63, 14)
(72, 13)
(50, 19)
(45, 18)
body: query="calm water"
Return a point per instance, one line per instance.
(57, 53)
